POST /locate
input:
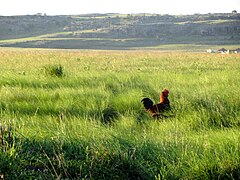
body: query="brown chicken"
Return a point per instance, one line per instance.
(156, 110)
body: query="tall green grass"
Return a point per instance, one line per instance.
(90, 123)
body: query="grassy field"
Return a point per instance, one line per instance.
(69, 114)
(67, 40)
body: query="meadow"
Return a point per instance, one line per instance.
(76, 114)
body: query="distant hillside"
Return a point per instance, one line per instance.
(118, 31)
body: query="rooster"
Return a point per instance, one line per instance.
(156, 110)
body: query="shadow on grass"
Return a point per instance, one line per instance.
(120, 158)
(109, 115)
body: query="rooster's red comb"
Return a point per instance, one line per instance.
(165, 90)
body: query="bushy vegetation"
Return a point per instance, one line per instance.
(91, 124)
(120, 31)
(54, 70)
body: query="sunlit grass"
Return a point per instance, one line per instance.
(58, 124)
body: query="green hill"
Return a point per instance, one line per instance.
(119, 31)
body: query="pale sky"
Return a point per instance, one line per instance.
(71, 7)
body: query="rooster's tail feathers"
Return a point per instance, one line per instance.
(147, 103)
